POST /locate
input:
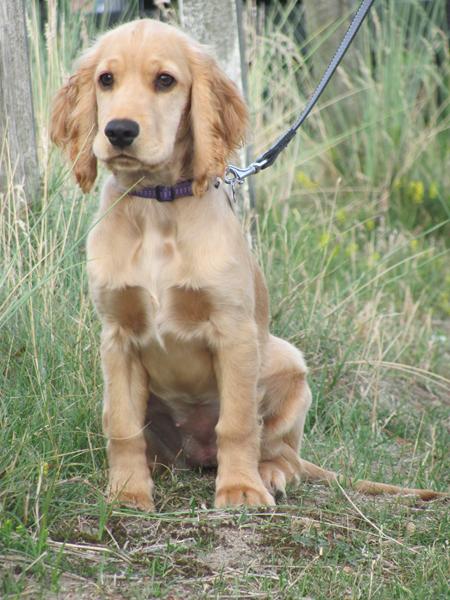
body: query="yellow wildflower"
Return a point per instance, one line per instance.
(370, 224)
(305, 181)
(416, 191)
(341, 216)
(414, 244)
(373, 258)
(433, 191)
(324, 239)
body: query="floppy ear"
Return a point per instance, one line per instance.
(73, 123)
(218, 120)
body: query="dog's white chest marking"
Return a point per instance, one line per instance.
(144, 256)
(176, 259)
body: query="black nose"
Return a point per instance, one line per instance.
(122, 132)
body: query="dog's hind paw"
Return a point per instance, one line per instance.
(273, 478)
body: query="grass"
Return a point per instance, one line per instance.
(351, 233)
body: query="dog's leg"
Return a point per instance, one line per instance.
(124, 411)
(284, 406)
(238, 430)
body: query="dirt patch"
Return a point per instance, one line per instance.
(235, 548)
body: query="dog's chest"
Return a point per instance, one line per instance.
(142, 281)
(177, 305)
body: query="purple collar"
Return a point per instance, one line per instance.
(165, 193)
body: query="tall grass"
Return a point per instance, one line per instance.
(351, 223)
(385, 135)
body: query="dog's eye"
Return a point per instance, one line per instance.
(164, 81)
(106, 79)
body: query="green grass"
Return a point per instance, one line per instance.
(352, 226)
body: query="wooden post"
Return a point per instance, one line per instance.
(18, 155)
(215, 24)
(218, 24)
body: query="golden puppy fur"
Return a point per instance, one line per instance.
(189, 364)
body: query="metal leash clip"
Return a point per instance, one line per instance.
(234, 175)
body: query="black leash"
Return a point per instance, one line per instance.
(234, 174)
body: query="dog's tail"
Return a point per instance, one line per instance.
(312, 472)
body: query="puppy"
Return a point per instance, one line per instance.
(192, 375)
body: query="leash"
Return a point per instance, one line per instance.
(233, 174)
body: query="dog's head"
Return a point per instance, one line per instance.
(143, 97)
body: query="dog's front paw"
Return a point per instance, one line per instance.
(251, 494)
(131, 491)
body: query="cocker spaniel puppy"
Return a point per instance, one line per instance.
(192, 375)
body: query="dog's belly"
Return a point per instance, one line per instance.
(182, 435)
(183, 404)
